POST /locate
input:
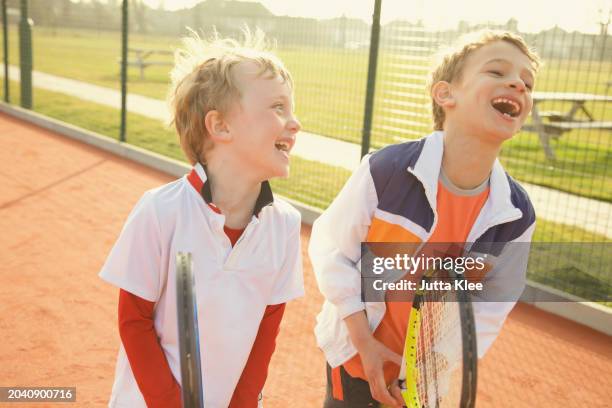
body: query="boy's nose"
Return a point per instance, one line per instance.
(294, 124)
(517, 84)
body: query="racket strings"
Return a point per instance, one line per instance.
(439, 362)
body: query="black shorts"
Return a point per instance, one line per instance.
(344, 391)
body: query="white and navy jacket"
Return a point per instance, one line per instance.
(391, 197)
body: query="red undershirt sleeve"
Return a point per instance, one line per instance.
(255, 372)
(146, 357)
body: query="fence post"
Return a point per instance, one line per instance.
(7, 97)
(371, 84)
(124, 45)
(25, 56)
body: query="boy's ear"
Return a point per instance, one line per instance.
(217, 127)
(442, 94)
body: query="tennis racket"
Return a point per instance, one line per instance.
(440, 358)
(189, 342)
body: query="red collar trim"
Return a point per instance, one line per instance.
(203, 188)
(195, 180)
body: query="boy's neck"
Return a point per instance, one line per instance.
(467, 160)
(233, 192)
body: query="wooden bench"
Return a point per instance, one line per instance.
(567, 126)
(553, 116)
(552, 124)
(138, 57)
(556, 129)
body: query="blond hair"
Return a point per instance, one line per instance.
(451, 61)
(203, 80)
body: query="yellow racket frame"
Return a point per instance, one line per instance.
(410, 394)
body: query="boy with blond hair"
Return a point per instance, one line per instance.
(448, 187)
(232, 106)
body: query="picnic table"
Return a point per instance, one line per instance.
(552, 124)
(141, 58)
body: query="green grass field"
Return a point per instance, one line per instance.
(330, 94)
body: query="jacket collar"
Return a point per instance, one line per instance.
(427, 171)
(198, 179)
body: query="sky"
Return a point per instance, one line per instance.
(532, 15)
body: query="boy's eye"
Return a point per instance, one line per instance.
(279, 107)
(529, 86)
(497, 73)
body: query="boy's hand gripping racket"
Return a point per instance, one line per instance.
(189, 342)
(439, 361)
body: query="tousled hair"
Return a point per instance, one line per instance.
(451, 61)
(203, 79)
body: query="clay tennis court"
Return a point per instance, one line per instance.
(62, 205)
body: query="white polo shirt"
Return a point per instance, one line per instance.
(233, 285)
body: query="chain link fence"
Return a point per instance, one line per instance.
(562, 156)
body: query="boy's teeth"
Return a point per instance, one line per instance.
(508, 101)
(506, 106)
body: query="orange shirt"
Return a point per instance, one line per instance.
(457, 211)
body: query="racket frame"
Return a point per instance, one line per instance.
(469, 345)
(470, 348)
(188, 335)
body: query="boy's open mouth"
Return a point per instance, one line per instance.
(282, 146)
(506, 107)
